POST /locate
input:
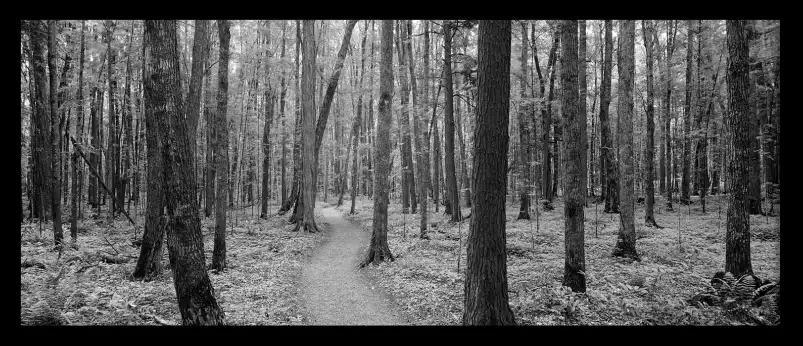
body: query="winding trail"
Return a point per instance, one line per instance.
(334, 292)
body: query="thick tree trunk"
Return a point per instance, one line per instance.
(196, 299)
(41, 149)
(55, 137)
(737, 237)
(581, 74)
(607, 161)
(451, 178)
(211, 133)
(486, 289)
(574, 160)
(305, 206)
(649, 218)
(626, 240)
(378, 250)
(221, 147)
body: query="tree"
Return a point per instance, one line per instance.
(486, 290)
(220, 146)
(305, 207)
(408, 179)
(196, 299)
(649, 219)
(451, 178)
(574, 161)
(378, 250)
(684, 182)
(581, 74)
(270, 101)
(76, 178)
(38, 32)
(526, 152)
(671, 32)
(209, 110)
(113, 145)
(737, 236)
(355, 130)
(418, 127)
(55, 136)
(610, 188)
(626, 240)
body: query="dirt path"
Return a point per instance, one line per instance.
(335, 293)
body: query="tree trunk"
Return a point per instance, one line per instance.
(282, 103)
(486, 289)
(55, 136)
(305, 206)
(424, 174)
(687, 121)
(355, 131)
(574, 160)
(417, 129)
(451, 179)
(41, 149)
(220, 146)
(378, 250)
(112, 146)
(626, 240)
(407, 180)
(525, 154)
(581, 74)
(211, 132)
(79, 129)
(649, 218)
(546, 125)
(196, 299)
(607, 161)
(671, 31)
(269, 100)
(293, 197)
(737, 237)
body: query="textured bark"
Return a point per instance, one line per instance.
(687, 121)
(378, 250)
(607, 162)
(671, 31)
(451, 179)
(305, 206)
(649, 218)
(526, 152)
(220, 146)
(355, 130)
(662, 163)
(113, 145)
(199, 53)
(737, 235)
(573, 161)
(55, 137)
(626, 240)
(581, 74)
(424, 173)
(37, 31)
(418, 127)
(128, 126)
(196, 299)
(546, 125)
(269, 101)
(95, 107)
(291, 199)
(210, 132)
(282, 103)
(408, 180)
(79, 130)
(756, 108)
(486, 289)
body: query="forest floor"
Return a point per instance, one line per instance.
(335, 292)
(427, 277)
(260, 287)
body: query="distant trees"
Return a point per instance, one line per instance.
(626, 240)
(526, 137)
(378, 250)
(737, 236)
(486, 289)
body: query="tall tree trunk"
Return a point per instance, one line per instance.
(525, 154)
(407, 180)
(451, 179)
(196, 299)
(671, 31)
(486, 289)
(607, 161)
(79, 130)
(305, 206)
(581, 74)
(647, 32)
(417, 129)
(737, 237)
(128, 126)
(425, 173)
(41, 149)
(626, 240)
(55, 136)
(220, 146)
(687, 121)
(574, 159)
(293, 197)
(662, 163)
(378, 250)
(111, 155)
(269, 100)
(355, 131)
(211, 131)
(754, 188)
(282, 103)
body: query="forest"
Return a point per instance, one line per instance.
(400, 172)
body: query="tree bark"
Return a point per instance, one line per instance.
(626, 240)
(211, 131)
(573, 160)
(486, 289)
(55, 137)
(408, 180)
(418, 127)
(196, 299)
(671, 31)
(112, 147)
(737, 235)
(451, 179)
(355, 130)
(220, 146)
(79, 129)
(269, 100)
(525, 154)
(649, 218)
(378, 250)
(607, 161)
(687, 121)
(581, 74)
